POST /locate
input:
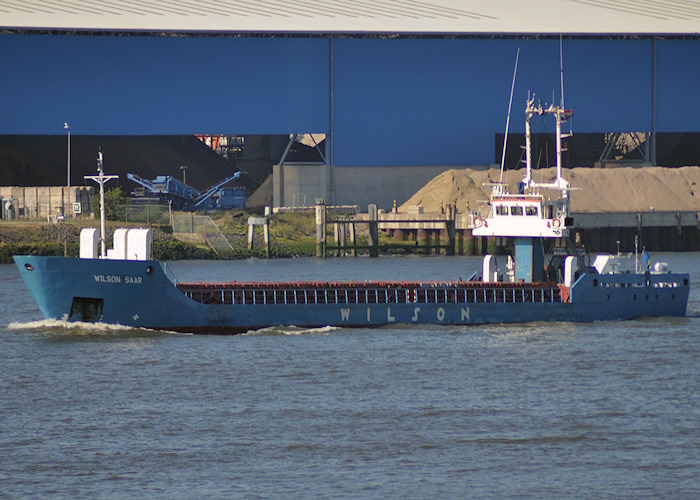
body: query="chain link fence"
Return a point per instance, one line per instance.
(202, 224)
(147, 214)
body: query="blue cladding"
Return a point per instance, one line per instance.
(440, 102)
(608, 84)
(401, 102)
(396, 101)
(678, 75)
(163, 85)
(422, 102)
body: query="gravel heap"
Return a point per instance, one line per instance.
(623, 189)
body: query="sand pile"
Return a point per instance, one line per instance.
(624, 189)
(262, 197)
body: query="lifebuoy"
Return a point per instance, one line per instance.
(557, 223)
(477, 222)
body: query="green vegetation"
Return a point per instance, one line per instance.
(231, 221)
(115, 204)
(7, 250)
(294, 226)
(292, 234)
(178, 250)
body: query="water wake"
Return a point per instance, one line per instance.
(61, 327)
(293, 330)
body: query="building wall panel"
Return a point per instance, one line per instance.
(138, 85)
(678, 74)
(441, 101)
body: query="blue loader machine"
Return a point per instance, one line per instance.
(186, 198)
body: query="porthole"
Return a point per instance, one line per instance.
(595, 282)
(149, 270)
(634, 297)
(647, 297)
(29, 267)
(673, 296)
(685, 282)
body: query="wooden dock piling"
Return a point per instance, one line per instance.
(373, 220)
(321, 229)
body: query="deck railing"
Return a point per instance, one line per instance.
(256, 294)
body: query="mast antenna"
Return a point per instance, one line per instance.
(561, 78)
(510, 104)
(561, 69)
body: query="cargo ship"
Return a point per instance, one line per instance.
(125, 286)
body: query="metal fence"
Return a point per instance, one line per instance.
(147, 214)
(202, 224)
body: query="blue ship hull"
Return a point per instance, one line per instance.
(140, 294)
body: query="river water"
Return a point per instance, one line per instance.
(528, 410)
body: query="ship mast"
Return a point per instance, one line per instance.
(560, 115)
(101, 179)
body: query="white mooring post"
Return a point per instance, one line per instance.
(265, 223)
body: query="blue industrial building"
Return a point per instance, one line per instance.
(402, 90)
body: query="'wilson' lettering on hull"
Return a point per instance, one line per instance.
(440, 314)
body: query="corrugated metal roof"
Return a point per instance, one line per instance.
(681, 17)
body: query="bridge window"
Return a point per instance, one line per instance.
(532, 210)
(516, 210)
(501, 210)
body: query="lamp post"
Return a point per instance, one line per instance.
(67, 127)
(184, 173)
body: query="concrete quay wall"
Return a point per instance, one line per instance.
(657, 231)
(299, 184)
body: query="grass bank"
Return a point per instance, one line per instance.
(292, 235)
